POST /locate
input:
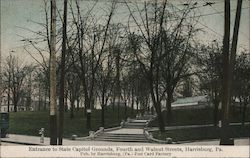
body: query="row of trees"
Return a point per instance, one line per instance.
(17, 82)
(23, 82)
(210, 63)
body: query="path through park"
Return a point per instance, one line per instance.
(130, 131)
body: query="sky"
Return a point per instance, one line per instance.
(19, 14)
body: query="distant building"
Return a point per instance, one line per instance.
(4, 108)
(4, 105)
(121, 104)
(197, 102)
(37, 105)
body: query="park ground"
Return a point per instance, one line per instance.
(29, 123)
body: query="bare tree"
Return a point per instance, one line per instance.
(105, 83)
(210, 64)
(91, 55)
(160, 40)
(73, 89)
(15, 75)
(41, 87)
(241, 86)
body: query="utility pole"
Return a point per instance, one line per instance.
(1, 85)
(234, 43)
(225, 79)
(62, 76)
(53, 122)
(228, 70)
(227, 91)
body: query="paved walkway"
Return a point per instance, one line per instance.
(169, 128)
(33, 140)
(237, 142)
(127, 131)
(130, 131)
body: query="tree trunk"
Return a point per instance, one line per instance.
(137, 106)
(244, 113)
(118, 108)
(15, 105)
(216, 108)
(113, 103)
(125, 104)
(87, 102)
(88, 114)
(66, 101)
(241, 105)
(132, 103)
(216, 111)
(152, 110)
(103, 110)
(157, 106)
(9, 93)
(45, 101)
(89, 119)
(232, 106)
(8, 99)
(39, 97)
(169, 108)
(160, 117)
(147, 105)
(72, 106)
(85, 109)
(103, 116)
(39, 104)
(78, 104)
(28, 103)
(15, 101)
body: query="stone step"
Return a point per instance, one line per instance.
(121, 134)
(120, 140)
(139, 121)
(133, 126)
(121, 137)
(145, 117)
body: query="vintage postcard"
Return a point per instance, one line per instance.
(125, 78)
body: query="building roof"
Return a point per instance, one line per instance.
(195, 99)
(189, 101)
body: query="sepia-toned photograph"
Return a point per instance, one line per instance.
(125, 78)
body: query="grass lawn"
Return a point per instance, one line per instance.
(201, 133)
(198, 117)
(29, 123)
